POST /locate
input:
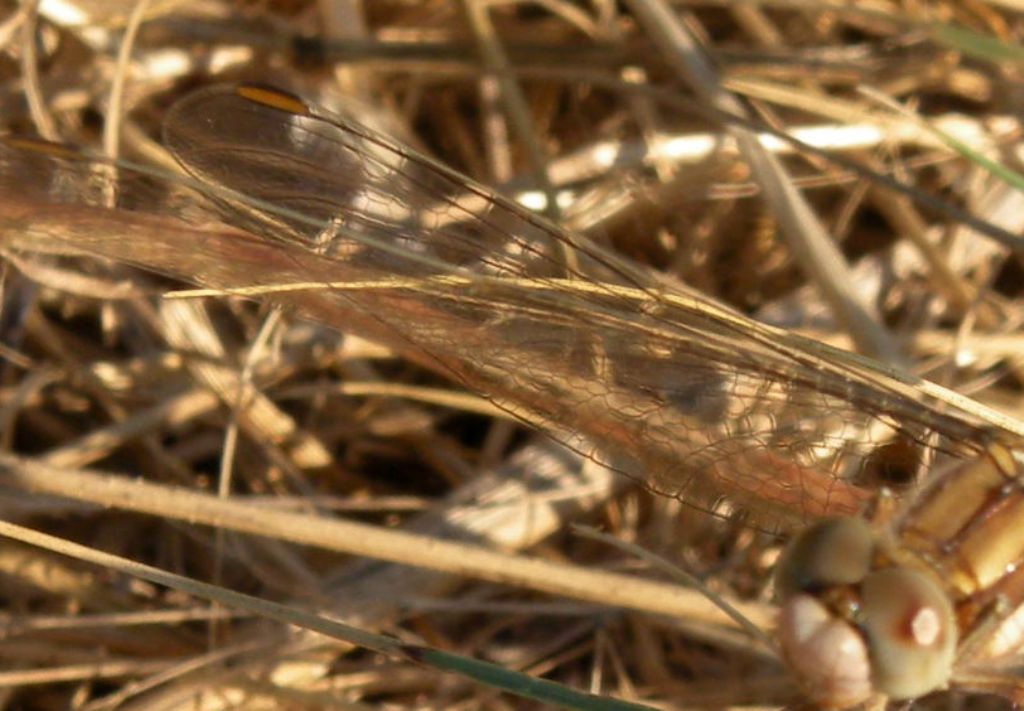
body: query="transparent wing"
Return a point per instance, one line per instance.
(665, 385)
(546, 320)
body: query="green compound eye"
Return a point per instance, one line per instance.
(911, 630)
(833, 552)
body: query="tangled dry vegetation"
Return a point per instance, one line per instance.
(227, 440)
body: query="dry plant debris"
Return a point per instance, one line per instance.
(583, 111)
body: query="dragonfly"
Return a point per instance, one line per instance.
(282, 200)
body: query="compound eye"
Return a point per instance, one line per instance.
(828, 656)
(835, 551)
(911, 632)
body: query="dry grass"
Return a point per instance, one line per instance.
(224, 440)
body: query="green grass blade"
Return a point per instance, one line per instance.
(476, 670)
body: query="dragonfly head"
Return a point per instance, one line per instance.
(853, 626)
